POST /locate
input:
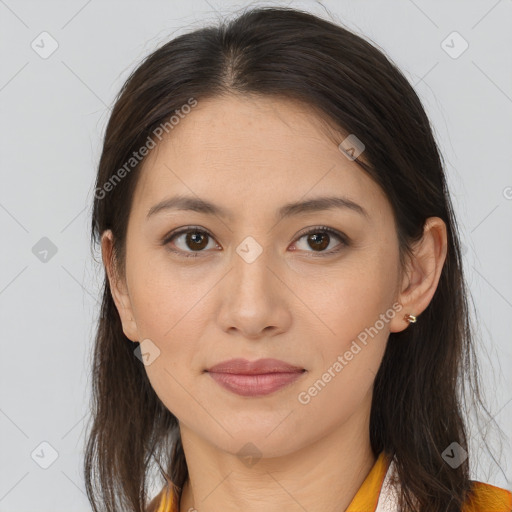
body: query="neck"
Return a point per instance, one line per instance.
(322, 476)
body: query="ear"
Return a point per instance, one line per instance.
(422, 274)
(118, 287)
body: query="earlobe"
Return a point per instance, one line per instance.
(422, 274)
(118, 287)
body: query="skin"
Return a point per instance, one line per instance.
(252, 156)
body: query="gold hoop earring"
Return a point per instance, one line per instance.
(410, 318)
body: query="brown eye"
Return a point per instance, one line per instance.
(318, 241)
(320, 238)
(188, 241)
(196, 240)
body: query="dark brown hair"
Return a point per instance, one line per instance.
(420, 389)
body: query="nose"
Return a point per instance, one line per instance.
(254, 299)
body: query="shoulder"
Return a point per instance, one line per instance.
(488, 498)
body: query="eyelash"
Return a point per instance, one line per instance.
(315, 230)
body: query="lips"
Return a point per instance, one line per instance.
(254, 378)
(241, 366)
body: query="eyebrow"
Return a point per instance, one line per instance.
(196, 204)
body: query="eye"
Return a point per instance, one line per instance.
(197, 240)
(319, 238)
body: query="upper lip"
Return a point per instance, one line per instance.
(260, 366)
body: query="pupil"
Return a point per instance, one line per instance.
(192, 236)
(320, 245)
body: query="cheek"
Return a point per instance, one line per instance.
(357, 311)
(342, 382)
(164, 296)
(356, 297)
(170, 307)
(169, 319)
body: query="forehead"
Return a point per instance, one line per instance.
(253, 152)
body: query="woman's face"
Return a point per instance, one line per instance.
(251, 284)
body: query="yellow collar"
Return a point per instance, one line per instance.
(367, 496)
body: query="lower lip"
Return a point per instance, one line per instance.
(255, 385)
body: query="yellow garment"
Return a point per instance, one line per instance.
(486, 497)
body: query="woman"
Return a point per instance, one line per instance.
(284, 322)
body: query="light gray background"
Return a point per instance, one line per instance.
(53, 114)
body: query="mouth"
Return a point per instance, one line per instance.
(257, 378)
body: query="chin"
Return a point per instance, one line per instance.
(252, 445)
